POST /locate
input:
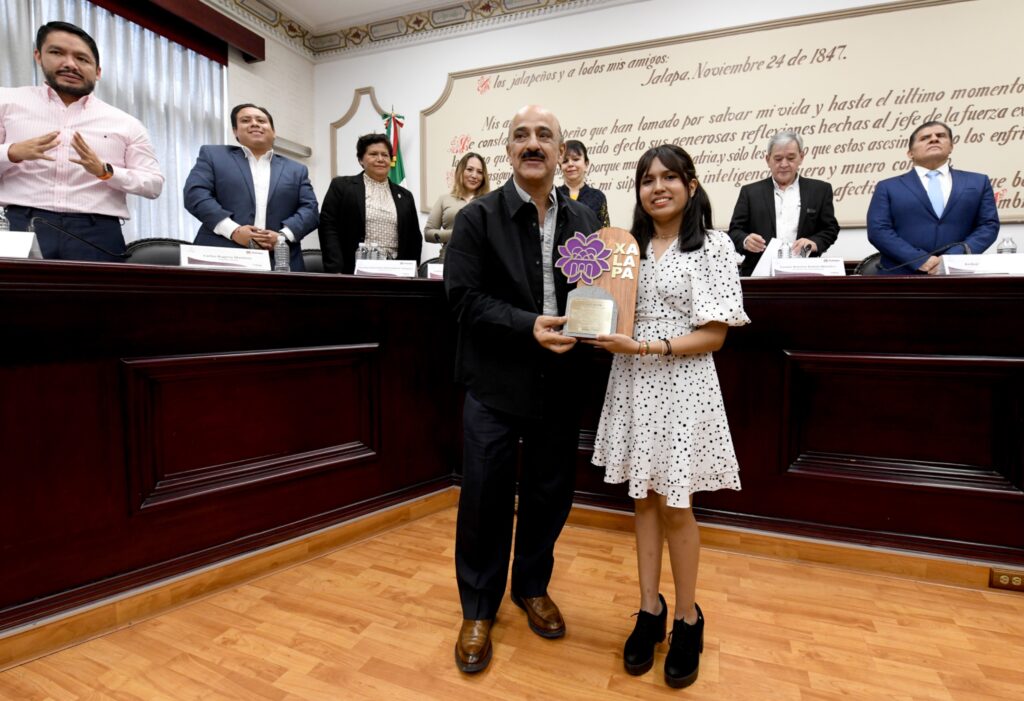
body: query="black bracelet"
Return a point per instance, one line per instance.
(668, 347)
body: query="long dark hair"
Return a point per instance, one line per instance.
(696, 215)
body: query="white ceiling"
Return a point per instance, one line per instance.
(321, 16)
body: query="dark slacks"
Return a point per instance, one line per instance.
(100, 229)
(483, 536)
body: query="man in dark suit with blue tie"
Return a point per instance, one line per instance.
(248, 195)
(916, 217)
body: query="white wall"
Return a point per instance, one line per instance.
(413, 78)
(283, 83)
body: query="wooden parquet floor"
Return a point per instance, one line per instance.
(378, 619)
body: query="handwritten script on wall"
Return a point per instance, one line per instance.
(854, 84)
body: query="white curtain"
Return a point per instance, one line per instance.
(177, 94)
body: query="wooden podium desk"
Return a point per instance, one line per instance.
(154, 420)
(886, 411)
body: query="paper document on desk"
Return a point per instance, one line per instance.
(764, 265)
(220, 258)
(999, 264)
(385, 268)
(19, 244)
(793, 267)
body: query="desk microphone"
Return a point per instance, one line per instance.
(32, 228)
(926, 256)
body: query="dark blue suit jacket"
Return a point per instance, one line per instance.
(902, 224)
(220, 186)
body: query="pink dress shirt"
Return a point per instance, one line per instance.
(60, 185)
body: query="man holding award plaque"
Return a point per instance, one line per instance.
(520, 384)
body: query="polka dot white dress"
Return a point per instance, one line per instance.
(663, 426)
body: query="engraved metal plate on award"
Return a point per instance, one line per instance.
(605, 266)
(591, 311)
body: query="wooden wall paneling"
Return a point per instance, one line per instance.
(876, 375)
(147, 405)
(880, 415)
(305, 410)
(882, 411)
(140, 417)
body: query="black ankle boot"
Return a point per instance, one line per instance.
(684, 648)
(638, 655)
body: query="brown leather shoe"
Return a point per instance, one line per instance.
(543, 615)
(473, 649)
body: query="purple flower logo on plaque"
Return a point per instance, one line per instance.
(584, 258)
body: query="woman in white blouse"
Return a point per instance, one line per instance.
(470, 181)
(368, 208)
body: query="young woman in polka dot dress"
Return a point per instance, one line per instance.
(663, 428)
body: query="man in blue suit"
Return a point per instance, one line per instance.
(247, 195)
(914, 218)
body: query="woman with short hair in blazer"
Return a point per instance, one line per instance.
(368, 208)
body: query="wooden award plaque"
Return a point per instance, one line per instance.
(621, 281)
(604, 266)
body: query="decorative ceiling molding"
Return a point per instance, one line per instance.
(264, 18)
(418, 27)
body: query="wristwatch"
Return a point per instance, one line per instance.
(108, 172)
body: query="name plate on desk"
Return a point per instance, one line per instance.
(999, 264)
(386, 268)
(435, 271)
(19, 244)
(217, 258)
(791, 267)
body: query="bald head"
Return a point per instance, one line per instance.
(534, 147)
(534, 112)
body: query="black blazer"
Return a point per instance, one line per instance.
(493, 274)
(755, 214)
(343, 223)
(593, 198)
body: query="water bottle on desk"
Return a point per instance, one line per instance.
(1007, 245)
(361, 252)
(5, 224)
(282, 255)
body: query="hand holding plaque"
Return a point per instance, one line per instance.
(605, 265)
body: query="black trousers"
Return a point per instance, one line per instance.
(100, 229)
(483, 536)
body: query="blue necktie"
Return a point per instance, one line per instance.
(935, 192)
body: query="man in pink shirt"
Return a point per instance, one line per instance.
(68, 158)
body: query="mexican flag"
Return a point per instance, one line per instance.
(393, 123)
